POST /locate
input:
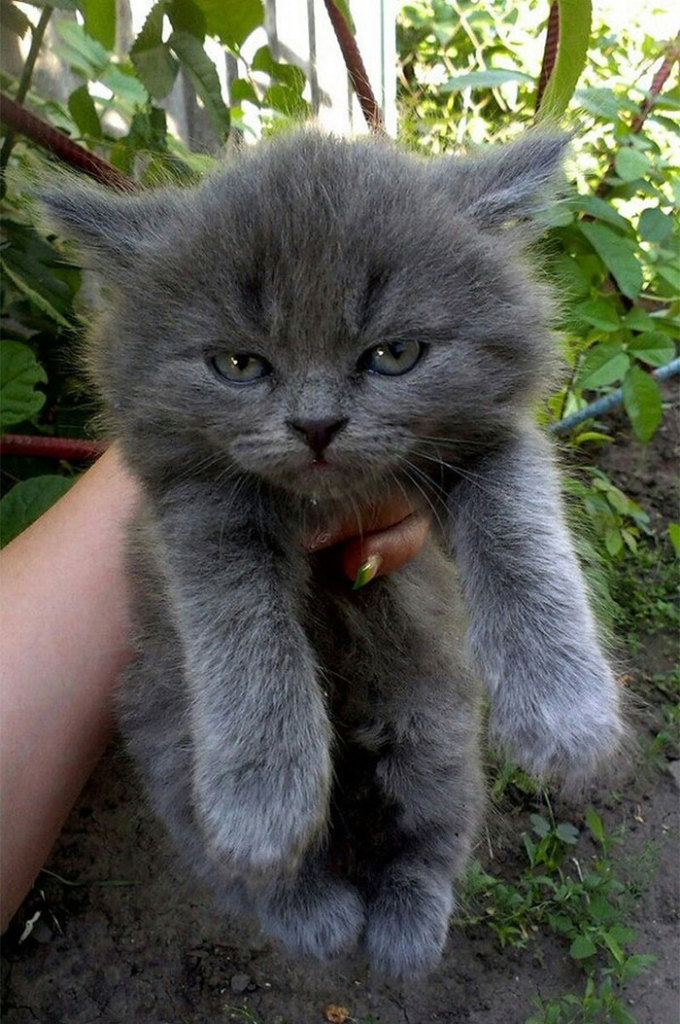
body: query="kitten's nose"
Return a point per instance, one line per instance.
(318, 433)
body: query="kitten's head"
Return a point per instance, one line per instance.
(319, 313)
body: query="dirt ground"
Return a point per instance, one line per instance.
(123, 936)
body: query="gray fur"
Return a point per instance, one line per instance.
(275, 713)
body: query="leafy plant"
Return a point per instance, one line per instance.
(114, 110)
(586, 910)
(469, 72)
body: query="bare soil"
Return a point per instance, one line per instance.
(124, 936)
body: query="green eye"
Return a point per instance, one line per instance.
(392, 358)
(240, 367)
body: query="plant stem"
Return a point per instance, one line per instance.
(22, 121)
(73, 449)
(607, 402)
(663, 71)
(37, 33)
(552, 39)
(356, 69)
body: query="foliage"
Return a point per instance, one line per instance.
(584, 909)
(612, 243)
(114, 109)
(656, 574)
(468, 72)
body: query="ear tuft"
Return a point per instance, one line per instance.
(113, 228)
(506, 182)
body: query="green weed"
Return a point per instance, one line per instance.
(585, 908)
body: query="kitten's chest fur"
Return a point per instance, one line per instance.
(364, 638)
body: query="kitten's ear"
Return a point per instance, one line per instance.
(506, 182)
(116, 230)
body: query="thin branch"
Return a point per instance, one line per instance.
(660, 77)
(72, 449)
(356, 69)
(37, 33)
(610, 401)
(552, 39)
(18, 119)
(658, 82)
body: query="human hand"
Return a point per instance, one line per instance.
(389, 536)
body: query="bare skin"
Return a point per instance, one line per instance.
(63, 645)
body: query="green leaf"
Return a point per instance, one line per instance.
(83, 111)
(638, 319)
(81, 51)
(204, 77)
(595, 824)
(540, 826)
(642, 399)
(487, 79)
(591, 435)
(343, 7)
(654, 348)
(613, 947)
(674, 534)
(31, 292)
(241, 90)
(601, 102)
(598, 207)
(567, 833)
(288, 74)
(232, 22)
(672, 275)
(13, 19)
(631, 164)
(582, 947)
(20, 371)
(148, 131)
(603, 364)
(187, 16)
(151, 57)
(124, 85)
(100, 20)
(601, 314)
(286, 100)
(613, 541)
(654, 225)
(618, 254)
(61, 5)
(572, 50)
(27, 500)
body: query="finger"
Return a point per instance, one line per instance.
(386, 550)
(372, 520)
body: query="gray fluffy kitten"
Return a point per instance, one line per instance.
(317, 325)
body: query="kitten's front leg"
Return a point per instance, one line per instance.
(260, 732)
(554, 700)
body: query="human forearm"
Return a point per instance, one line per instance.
(63, 644)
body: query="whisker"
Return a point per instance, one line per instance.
(409, 469)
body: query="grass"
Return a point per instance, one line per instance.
(581, 900)
(645, 591)
(563, 889)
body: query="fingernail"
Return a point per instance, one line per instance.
(318, 541)
(367, 571)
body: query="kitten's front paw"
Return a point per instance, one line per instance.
(313, 916)
(408, 923)
(566, 734)
(254, 821)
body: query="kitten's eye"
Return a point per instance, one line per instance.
(392, 358)
(240, 367)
